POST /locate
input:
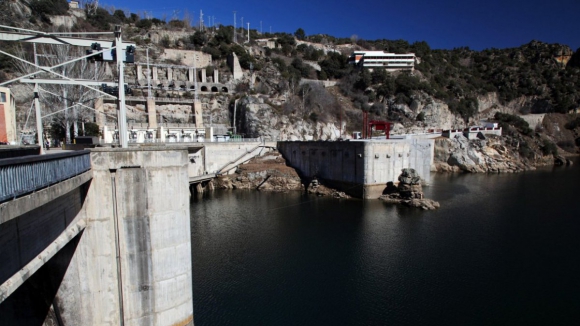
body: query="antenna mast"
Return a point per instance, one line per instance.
(235, 38)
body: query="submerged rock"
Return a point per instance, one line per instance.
(316, 188)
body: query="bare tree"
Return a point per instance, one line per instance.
(65, 105)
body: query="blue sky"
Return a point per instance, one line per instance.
(444, 24)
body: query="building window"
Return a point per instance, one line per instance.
(2, 97)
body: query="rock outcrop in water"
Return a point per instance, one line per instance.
(409, 192)
(267, 173)
(316, 188)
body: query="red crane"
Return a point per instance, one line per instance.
(377, 124)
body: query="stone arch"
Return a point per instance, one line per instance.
(214, 89)
(224, 89)
(204, 88)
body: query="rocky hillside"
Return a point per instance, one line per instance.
(281, 94)
(268, 173)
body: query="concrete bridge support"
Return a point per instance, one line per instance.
(132, 266)
(100, 112)
(151, 113)
(155, 73)
(192, 77)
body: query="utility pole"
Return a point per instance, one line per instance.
(260, 27)
(121, 109)
(37, 110)
(235, 32)
(103, 46)
(242, 27)
(39, 136)
(201, 20)
(248, 32)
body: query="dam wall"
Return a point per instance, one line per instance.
(359, 168)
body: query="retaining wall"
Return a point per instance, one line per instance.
(359, 168)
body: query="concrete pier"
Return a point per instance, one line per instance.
(132, 265)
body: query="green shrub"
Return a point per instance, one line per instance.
(421, 116)
(573, 124)
(520, 124)
(549, 148)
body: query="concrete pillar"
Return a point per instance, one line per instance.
(161, 134)
(101, 118)
(191, 75)
(235, 66)
(169, 73)
(151, 113)
(197, 111)
(140, 72)
(203, 76)
(216, 76)
(132, 265)
(155, 74)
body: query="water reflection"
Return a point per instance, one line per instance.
(501, 250)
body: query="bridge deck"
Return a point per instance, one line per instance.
(202, 178)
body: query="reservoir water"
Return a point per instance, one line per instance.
(501, 250)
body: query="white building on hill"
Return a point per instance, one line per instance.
(381, 59)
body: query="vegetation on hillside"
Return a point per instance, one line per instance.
(458, 77)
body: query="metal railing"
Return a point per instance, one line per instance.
(22, 175)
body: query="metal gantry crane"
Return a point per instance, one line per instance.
(100, 50)
(368, 126)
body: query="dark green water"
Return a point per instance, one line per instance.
(502, 250)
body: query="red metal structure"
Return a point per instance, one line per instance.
(377, 124)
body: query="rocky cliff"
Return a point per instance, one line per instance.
(494, 154)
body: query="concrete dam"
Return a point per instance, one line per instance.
(106, 239)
